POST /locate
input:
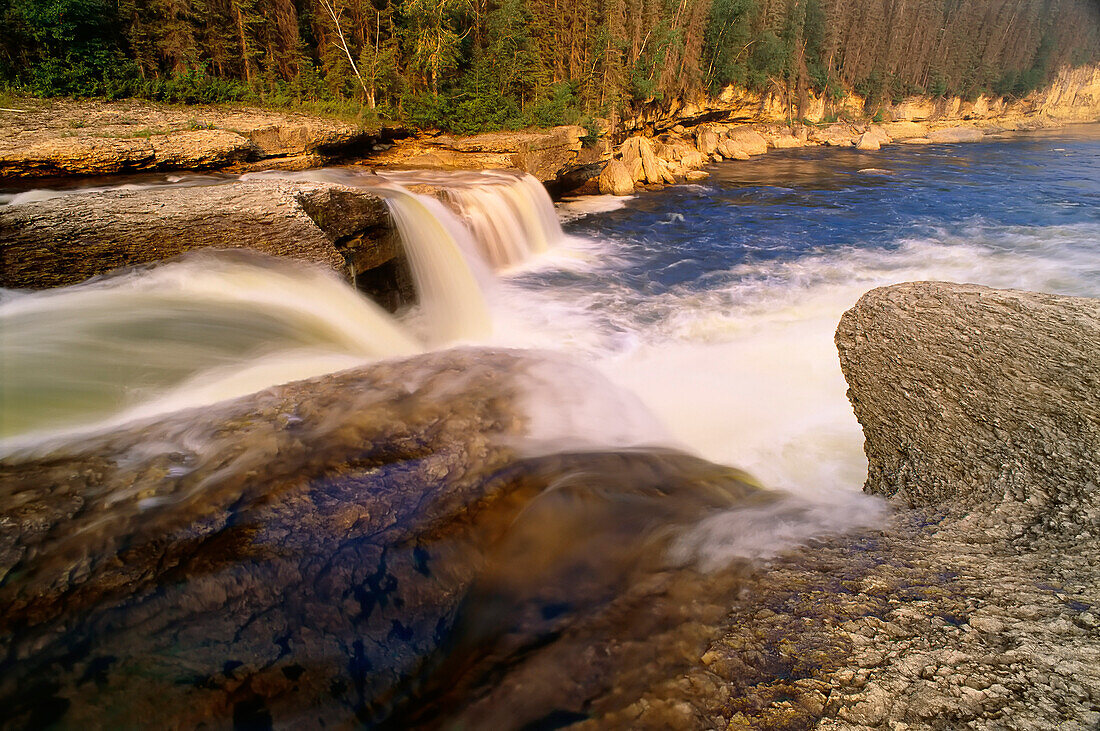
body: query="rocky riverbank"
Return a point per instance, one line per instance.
(978, 605)
(660, 144)
(64, 137)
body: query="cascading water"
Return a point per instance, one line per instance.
(451, 300)
(512, 218)
(185, 333)
(498, 219)
(206, 329)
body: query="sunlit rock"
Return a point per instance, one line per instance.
(956, 134)
(616, 179)
(868, 141)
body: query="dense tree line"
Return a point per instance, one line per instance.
(469, 65)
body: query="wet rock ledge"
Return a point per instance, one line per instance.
(69, 238)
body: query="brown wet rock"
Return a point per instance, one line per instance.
(252, 560)
(340, 550)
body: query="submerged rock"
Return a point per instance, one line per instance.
(979, 399)
(358, 547)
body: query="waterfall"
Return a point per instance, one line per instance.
(511, 220)
(185, 333)
(215, 326)
(510, 216)
(497, 219)
(451, 300)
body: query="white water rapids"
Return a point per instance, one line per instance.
(746, 376)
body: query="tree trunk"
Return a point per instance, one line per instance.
(244, 49)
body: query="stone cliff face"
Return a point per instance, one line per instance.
(1073, 96)
(981, 400)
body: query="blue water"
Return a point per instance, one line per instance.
(716, 303)
(791, 203)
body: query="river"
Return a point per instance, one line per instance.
(698, 318)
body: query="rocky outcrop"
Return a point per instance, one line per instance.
(976, 399)
(55, 137)
(905, 129)
(867, 141)
(956, 134)
(69, 238)
(546, 154)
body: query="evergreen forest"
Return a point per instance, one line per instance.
(474, 65)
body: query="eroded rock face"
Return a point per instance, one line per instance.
(979, 399)
(69, 238)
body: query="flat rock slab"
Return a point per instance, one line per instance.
(69, 238)
(55, 137)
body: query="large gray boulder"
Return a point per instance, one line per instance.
(979, 399)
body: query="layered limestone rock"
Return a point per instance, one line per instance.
(903, 130)
(52, 137)
(546, 154)
(979, 399)
(69, 238)
(956, 134)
